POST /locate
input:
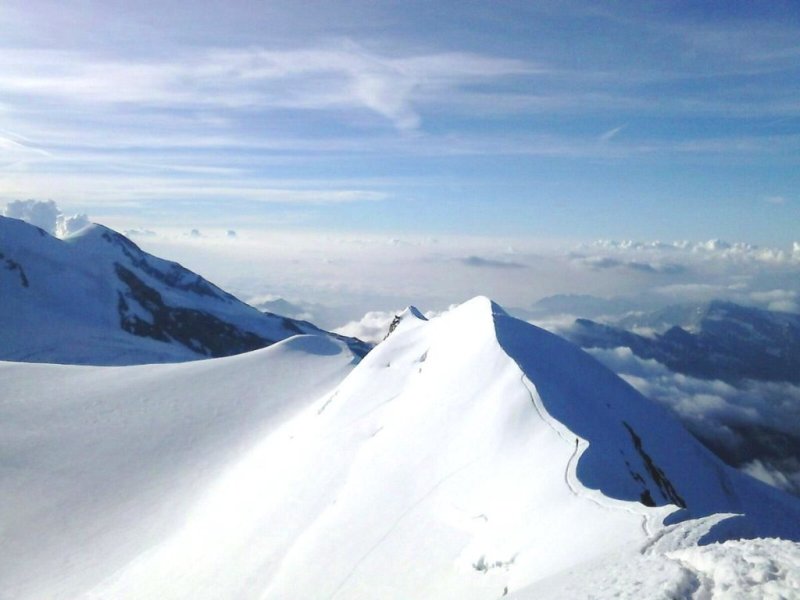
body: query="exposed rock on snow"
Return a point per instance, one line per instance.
(410, 313)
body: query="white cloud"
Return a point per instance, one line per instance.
(714, 248)
(46, 215)
(611, 133)
(771, 476)
(699, 271)
(68, 225)
(558, 324)
(784, 306)
(126, 186)
(18, 152)
(778, 299)
(43, 214)
(372, 327)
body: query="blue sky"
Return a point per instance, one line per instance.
(563, 120)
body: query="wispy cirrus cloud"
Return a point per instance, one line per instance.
(611, 133)
(776, 200)
(211, 122)
(16, 152)
(343, 76)
(182, 184)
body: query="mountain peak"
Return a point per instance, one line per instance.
(412, 311)
(95, 297)
(410, 314)
(470, 456)
(482, 303)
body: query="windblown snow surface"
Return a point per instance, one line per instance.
(470, 456)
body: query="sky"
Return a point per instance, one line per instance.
(644, 120)
(378, 152)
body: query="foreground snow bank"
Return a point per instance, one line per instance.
(760, 568)
(757, 569)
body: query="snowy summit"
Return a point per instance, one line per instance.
(469, 456)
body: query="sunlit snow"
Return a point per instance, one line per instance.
(469, 456)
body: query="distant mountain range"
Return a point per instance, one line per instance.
(715, 340)
(709, 340)
(96, 298)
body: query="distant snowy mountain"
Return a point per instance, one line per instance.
(716, 340)
(582, 305)
(96, 298)
(469, 456)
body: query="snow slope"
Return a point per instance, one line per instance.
(100, 463)
(96, 298)
(469, 456)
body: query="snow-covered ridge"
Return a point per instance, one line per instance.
(469, 456)
(97, 298)
(636, 449)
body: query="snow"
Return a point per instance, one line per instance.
(760, 568)
(67, 309)
(734, 570)
(469, 456)
(99, 463)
